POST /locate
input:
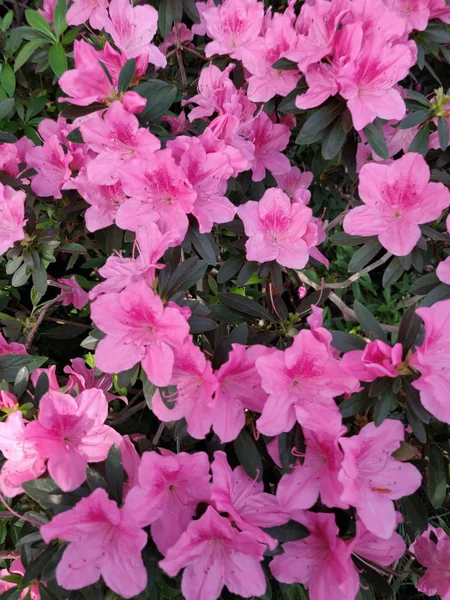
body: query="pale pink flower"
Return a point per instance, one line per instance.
(179, 34)
(12, 348)
(415, 13)
(397, 199)
(47, 9)
(378, 359)
(23, 460)
(17, 568)
(269, 140)
(104, 201)
(435, 557)
(228, 142)
(443, 269)
(12, 213)
(81, 11)
(52, 166)
(397, 140)
(244, 500)
(276, 229)
(159, 192)
(132, 28)
(116, 138)
(73, 293)
(321, 562)
(300, 489)
(380, 551)
(215, 554)
(167, 494)
(70, 432)
(431, 360)
(178, 125)
(200, 28)
(138, 329)
(104, 540)
(377, 19)
(439, 10)
(372, 478)
(233, 26)
(296, 183)
(82, 378)
(301, 382)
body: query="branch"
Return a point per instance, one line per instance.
(126, 413)
(356, 276)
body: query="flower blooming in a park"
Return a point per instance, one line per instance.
(12, 221)
(397, 199)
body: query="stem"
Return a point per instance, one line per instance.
(180, 58)
(9, 554)
(158, 434)
(40, 318)
(359, 274)
(126, 413)
(16, 514)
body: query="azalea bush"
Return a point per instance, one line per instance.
(224, 299)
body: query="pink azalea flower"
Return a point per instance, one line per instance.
(244, 500)
(104, 540)
(179, 34)
(208, 173)
(159, 192)
(17, 568)
(435, 557)
(321, 562)
(383, 552)
(300, 489)
(215, 554)
(103, 200)
(12, 221)
(76, 296)
(23, 460)
(233, 26)
(70, 432)
(132, 28)
(117, 139)
(178, 125)
(443, 269)
(168, 491)
(138, 329)
(12, 348)
(431, 360)
(439, 10)
(372, 478)
(378, 359)
(368, 83)
(397, 140)
(238, 150)
(47, 9)
(82, 378)
(8, 401)
(377, 19)
(276, 229)
(397, 199)
(51, 375)
(301, 382)
(269, 140)
(81, 11)
(415, 13)
(296, 184)
(52, 166)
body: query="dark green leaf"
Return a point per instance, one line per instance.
(437, 477)
(38, 22)
(114, 239)
(229, 268)
(42, 386)
(368, 322)
(95, 480)
(334, 139)
(364, 255)
(376, 140)
(248, 455)
(39, 277)
(443, 133)
(205, 245)
(191, 10)
(393, 272)
(239, 335)
(377, 581)
(10, 365)
(414, 512)
(114, 473)
(169, 11)
(344, 239)
(6, 107)
(415, 118)
(245, 305)
(421, 140)
(246, 272)
(440, 292)
(414, 403)
(46, 493)
(321, 118)
(383, 407)
(409, 329)
(356, 404)
(160, 96)
(7, 20)
(416, 425)
(346, 342)
(73, 112)
(424, 284)
(35, 568)
(185, 276)
(286, 442)
(418, 97)
(21, 382)
(8, 79)
(75, 136)
(72, 247)
(284, 64)
(57, 59)
(126, 75)
(290, 532)
(287, 104)
(59, 17)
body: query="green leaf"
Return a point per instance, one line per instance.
(424, 284)
(114, 239)
(414, 512)
(364, 255)
(415, 118)
(409, 329)
(39, 277)
(10, 365)
(48, 495)
(6, 107)
(57, 58)
(245, 305)
(344, 239)
(443, 133)
(418, 97)
(185, 276)
(356, 404)
(21, 382)
(346, 342)
(42, 387)
(248, 455)
(383, 407)
(160, 96)
(7, 20)
(421, 140)
(376, 140)
(59, 17)
(39, 23)
(334, 139)
(289, 532)
(322, 118)
(205, 245)
(368, 322)
(72, 247)
(95, 480)
(37, 565)
(284, 64)
(437, 477)
(73, 112)
(8, 79)
(229, 268)
(393, 272)
(191, 10)
(75, 136)
(126, 75)
(169, 11)
(414, 404)
(114, 473)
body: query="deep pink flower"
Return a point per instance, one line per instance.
(70, 432)
(12, 221)
(300, 489)
(443, 269)
(81, 11)
(321, 562)
(380, 551)
(179, 34)
(276, 229)
(47, 9)
(8, 401)
(82, 378)
(439, 10)
(244, 500)
(17, 568)
(301, 382)
(435, 557)
(76, 296)
(215, 554)
(104, 201)
(12, 348)
(104, 540)
(397, 199)
(52, 166)
(159, 192)
(269, 140)
(23, 460)
(167, 494)
(138, 329)
(415, 13)
(117, 139)
(51, 375)
(431, 360)
(378, 359)
(296, 184)
(372, 478)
